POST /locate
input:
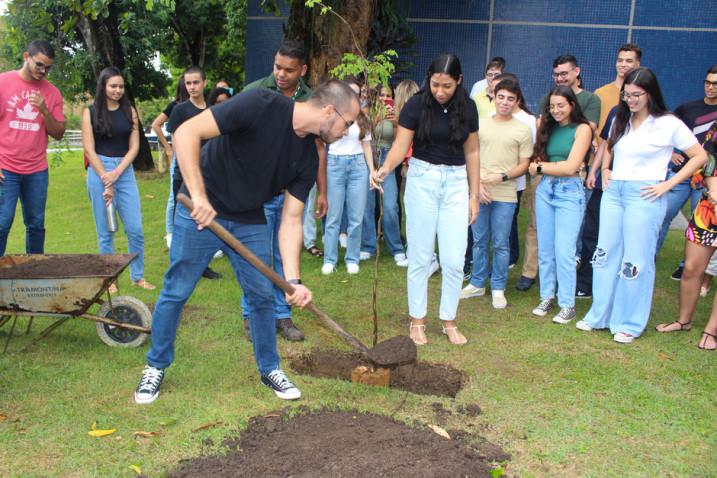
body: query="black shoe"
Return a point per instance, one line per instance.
(148, 388)
(525, 283)
(581, 294)
(289, 331)
(281, 385)
(211, 274)
(677, 274)
(247, 328)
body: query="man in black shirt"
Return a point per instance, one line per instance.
(246, 164)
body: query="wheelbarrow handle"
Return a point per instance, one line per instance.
(250, 257)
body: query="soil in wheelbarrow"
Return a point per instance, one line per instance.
(62, 266)
(420, 377)
(343, 444)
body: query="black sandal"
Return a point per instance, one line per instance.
(683, 327)
(315, 251)
(703, 341)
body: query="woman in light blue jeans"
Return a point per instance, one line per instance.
(442, 187)
(563, 141)
(110, 137)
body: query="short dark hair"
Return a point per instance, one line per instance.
(293, 49)
(562, 59)
(41, 46)
(712, 70)
(631, 47)
(334, 92)
(497, 62)
(195, 69)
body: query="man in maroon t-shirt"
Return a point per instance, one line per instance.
(30, 109)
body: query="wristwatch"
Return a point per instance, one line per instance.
(539, 169)
(294, 281)
(504, 177)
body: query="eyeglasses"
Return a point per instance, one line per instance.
(41, 66)
(562, 74)
(348, 125)
(490, 76)
(710, 84)
(633, 96)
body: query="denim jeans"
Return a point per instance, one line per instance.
(390, 223)
(32, 191)
(579, 243)
(310, 220)
(347, 184)
(492, 227)
(514, 241)
(624, 259)
(436, 203)
(169, 212)
(676, 198)
(559, 206)
(272, 212)
(189, 255)
(126, 202)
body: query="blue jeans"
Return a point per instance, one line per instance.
(559, 207)
(436, 203)
(676, 198)
(126, 202)
(169, 212)
(272, 212)
(391, 226)
(347, 184)
(309, 220)
(492, 226)
(189, 255)
(624, 259)
(32, 191)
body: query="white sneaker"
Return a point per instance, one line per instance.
(434, 266)
(623, 338)
(543, 307)
(565, 315)
(343, 239)
(352, 268)
(168, 240)
(363, 255)
(499, 301)
(328, 269)
(584, 326)
(219, 254)
(470, 291)
(704, 291)
(401, 259)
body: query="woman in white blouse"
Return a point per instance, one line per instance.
(634, 167)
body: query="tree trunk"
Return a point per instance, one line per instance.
(326, 37)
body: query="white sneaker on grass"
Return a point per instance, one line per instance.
(401, 259)
(565, 315)
(219, 254)
(364, 256)
(499, 301)
(471, 291)
(281, 385)
(584, 326)
(435, 265)
(352, 268)
(623, 338)
(343, 239)
(328, 269)
(148, 389)
(543, 308)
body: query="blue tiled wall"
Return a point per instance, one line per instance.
(529, 34)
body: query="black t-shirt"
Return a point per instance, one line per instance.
(117, 145)
(181, 112)
(168, 110)
(257, 156)
(698, 116)
(437, 150)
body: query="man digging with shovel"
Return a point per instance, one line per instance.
(229, 180)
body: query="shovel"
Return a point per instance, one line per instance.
(389, 353)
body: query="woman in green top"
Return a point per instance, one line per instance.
(563, 141)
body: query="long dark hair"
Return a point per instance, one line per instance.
(548, 123)
(444, 63)
(216, 93)
(645, 79)
(181, 94)
(101, 119)
(361, 120)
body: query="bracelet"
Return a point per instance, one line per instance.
(294, 281)
(504, 177)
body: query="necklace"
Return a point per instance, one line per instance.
(445, 110)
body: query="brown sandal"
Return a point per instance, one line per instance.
(683, 327)
(703, 341)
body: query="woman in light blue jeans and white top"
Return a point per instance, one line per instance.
(563, 141)
(110, 137)
(349, 170)
(633, 205)
(442, 188)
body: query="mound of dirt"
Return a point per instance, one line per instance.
(338, 444)
(62, 265)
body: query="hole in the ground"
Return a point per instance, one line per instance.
(421, 377)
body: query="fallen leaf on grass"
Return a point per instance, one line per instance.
(149, 196)
(662, 356)
(145, 434)
(100, 433)
(207, 425)
(136, 469)
(439, 431)
(3, 417)
(272, 415)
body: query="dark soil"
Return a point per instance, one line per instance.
(62, 266)
(421, 377)
(395, 351)
(339, 444)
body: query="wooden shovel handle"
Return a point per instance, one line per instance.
(242, 250)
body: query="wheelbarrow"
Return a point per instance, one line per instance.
(65, 286)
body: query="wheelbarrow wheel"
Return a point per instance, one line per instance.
(126, 310)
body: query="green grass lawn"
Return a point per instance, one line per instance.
(562, 402)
